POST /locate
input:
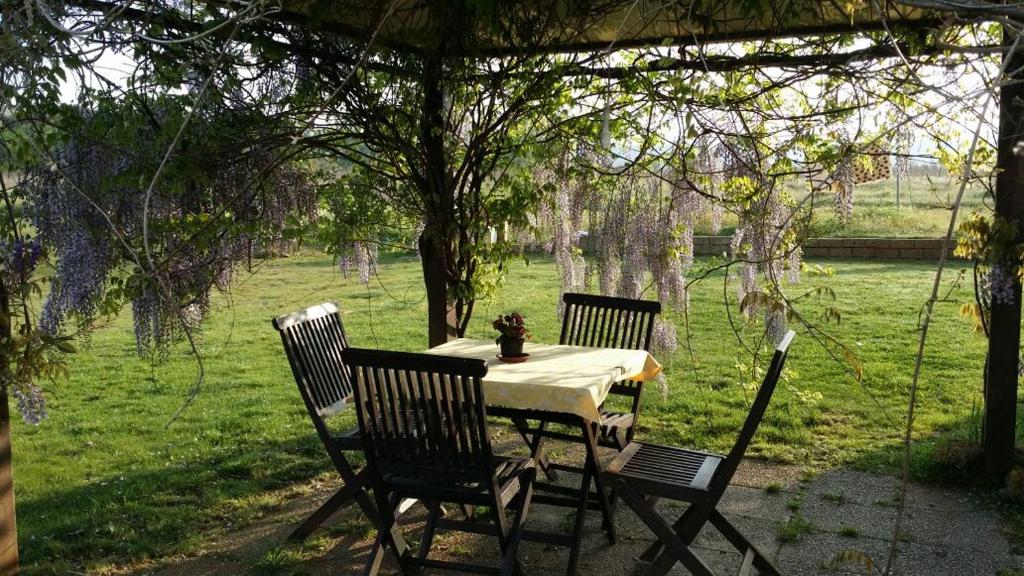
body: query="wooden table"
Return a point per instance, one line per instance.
(565, 385)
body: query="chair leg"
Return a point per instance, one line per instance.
(675, 549)
(389, 532)
(434, 511)
(502, 530)
(376, 556)
(686, 527)
(510, 561)
(342, 498)
(655, 549)
(613, 498)
(362, 497)
(501, 526)
(380, 542)
(740, 542)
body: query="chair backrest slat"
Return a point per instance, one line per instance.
(314, 340)
(725, 471)
(606, 321)
(421, 415)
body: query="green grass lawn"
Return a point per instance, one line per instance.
(108, 479)
(923, 211)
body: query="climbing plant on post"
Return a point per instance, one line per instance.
(446, 136)
(440, 231)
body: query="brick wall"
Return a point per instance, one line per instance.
(877, 248)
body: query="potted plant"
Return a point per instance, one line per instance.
(513, 334)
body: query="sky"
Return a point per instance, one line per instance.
(113, 66)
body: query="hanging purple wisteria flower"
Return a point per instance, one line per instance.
(25, 256)
(843, 187)
(365, 260)
(664, 337)
(31, 403)
(1000, 284)
(774, 325)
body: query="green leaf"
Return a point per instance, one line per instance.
(66, 347)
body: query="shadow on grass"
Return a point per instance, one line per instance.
(385, 258)
(951, 457)
(948, 456)
(228, 515)
(137, 516)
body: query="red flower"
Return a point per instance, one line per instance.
(511, 326)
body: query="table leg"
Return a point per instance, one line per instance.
(589, 471)
(581, 513)
(536, 446)
(594, 463)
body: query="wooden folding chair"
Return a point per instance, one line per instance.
(642, 473)
(440, 452)
(605, 322)
(313, 340)
(608, 322)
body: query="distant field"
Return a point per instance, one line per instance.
(109, 480)
(923, 212)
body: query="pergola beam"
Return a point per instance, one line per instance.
(772, 60)
(526, 27)
(708, 63)
(534, 27)
(699, 39)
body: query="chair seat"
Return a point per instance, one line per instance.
(347, 441)
(610, 425)
(506, 470)
(663, 470)
(611, 422)
(352, 438)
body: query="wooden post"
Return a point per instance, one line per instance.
(8, 523)
(437, 194)
(440, 314)
(8, 520)
(1001, 372)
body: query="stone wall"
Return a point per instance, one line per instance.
(876, 248)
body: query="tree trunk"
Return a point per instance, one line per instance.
(999, 428)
